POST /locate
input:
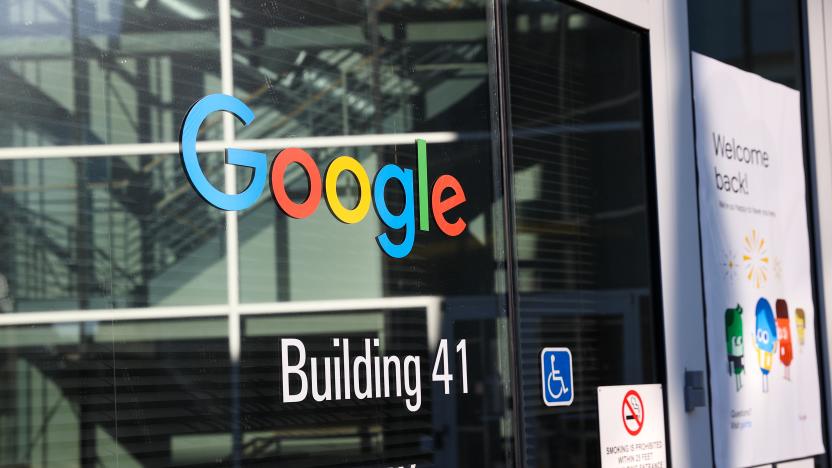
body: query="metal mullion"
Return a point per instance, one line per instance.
(503, 122)
(112, 315)
(689, 433)
(106, 150)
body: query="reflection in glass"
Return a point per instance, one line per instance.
(764, 37)
(359, 67)
(131, 394)
(759, 36)
(368, 68)
(84, 72)
(129, 231)
(96, 233)
(583, 213)
(319, 257)
(447, 430)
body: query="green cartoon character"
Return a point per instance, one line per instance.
(734, 342)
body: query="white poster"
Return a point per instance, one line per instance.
(631, 426)
(760, 316)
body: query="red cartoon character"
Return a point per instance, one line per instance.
(784, 336)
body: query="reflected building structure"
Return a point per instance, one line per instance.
(140, 326)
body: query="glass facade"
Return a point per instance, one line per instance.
(109, 232)
(79, 72)
(141, 326)
(762, 37)
(179, 363)
(124, 393)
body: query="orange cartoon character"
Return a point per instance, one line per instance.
(784, 336)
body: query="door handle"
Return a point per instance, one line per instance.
(694, 390)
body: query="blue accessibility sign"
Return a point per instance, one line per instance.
(556, 373)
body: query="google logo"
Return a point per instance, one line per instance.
(319, 187)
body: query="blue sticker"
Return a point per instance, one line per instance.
(556, 376)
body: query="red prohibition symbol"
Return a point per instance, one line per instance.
(632, 413)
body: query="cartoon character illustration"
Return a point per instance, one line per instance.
(800, 321)
(765, 338)
(784, 336)
(734, 343)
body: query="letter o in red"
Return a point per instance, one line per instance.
(313, 175)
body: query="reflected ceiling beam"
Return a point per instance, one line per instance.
(172, 148)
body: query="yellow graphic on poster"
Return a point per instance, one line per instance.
(756, 259)
(757, 277)
(801, 327)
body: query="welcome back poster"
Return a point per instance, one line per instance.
(760, 314)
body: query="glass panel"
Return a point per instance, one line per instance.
(291, 259)
(130, 394)
(129, 231)
(115, 71)
(98, 233)
(764, 37)
(373, 68)
(586, 254)
(760, 36)
(359, 67)
(455, 430)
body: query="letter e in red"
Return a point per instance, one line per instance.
(440, 206)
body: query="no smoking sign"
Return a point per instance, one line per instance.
(631, 426)
(632, 412)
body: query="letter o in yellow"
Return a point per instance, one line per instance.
(345, 215)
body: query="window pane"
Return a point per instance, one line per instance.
(372, 69)
(764, 37)
(89, 72)
(440, 53)
(759, 36)
(130, 231)
(98, 233)
(358, 67)
(291, 259)
(444, 430)
(145, 393)
(583, 195)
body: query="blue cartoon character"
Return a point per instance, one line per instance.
(765, 338)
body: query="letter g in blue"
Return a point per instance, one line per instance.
(187, 150)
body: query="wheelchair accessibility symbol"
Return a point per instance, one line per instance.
(556, 373)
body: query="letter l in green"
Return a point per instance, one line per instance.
(422, 153)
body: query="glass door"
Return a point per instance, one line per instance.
(583, 165)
